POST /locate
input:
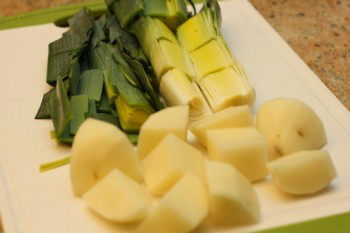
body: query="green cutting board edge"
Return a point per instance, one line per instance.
(333, 224)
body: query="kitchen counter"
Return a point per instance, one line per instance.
(317, 30)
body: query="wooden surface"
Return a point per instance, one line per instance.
(317, 30)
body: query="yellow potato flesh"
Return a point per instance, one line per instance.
(239, 116)
(172, 120)
(232, 199)
(181, 209)
(168, 161)
(118, 198)
(99, 147)
(244, 148)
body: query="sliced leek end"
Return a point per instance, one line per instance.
(227, 88)
(126, 11)
(130, 118)
(155, 8)
(198, 112)
(166, 55)
(177, 89)
(177, 13)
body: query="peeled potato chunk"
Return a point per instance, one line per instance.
(180, 210)
(168, 161)
(289, 125)
(239, 116)
(244, 148)
(303, 172)
(170, 120)
(99, 147)
(232, 199)
(118, 198)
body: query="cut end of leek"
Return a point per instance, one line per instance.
(130, 118)
(171, 12)
(177, 90)
(196, 32)
(149, 31)
(166, 55)
(228, 87)
(212, 57)
(200, 113)
(127, 10)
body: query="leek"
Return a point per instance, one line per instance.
(80, 106)
(212, 57)
(60, 109)
(91, 84)
(54, 164)
(126, 10)
(227, 88)
(131, 118)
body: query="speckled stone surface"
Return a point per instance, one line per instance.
(318, 30)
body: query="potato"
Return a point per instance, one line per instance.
(170, 120)
(303, 172)
(239, 116)
(168, 161)
(232, 199)
(99, 147)
(244, 148)
(180, 210)
(118, 198)
(289, 125)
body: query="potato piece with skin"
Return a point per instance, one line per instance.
(168, 161)
(289, 125)
(239, 116)
(99, 147)
(118, 198)
(232, 199)
(180, 210)
(303, 172)
(172, 120)
(244, 148)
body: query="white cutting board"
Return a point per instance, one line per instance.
(33, 202)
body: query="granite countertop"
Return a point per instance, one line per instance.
(317, 30)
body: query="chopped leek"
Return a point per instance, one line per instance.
(177, 89)
(80, 106)
(60, 109)
(91, 84)
(127, 10)
(44, 109)
(54, 164)
(171, 12)
(130, 118)
(227, 88)
(166, 55)
(217, 57)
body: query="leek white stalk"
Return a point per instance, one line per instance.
(177, 89)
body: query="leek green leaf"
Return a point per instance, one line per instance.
(110, 118)
(74, 77)
(80, 106)
(126, 11)
(44, 109)
(91, 84)
(103, 105)
(146, 81)
(60, 109)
